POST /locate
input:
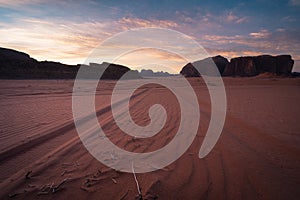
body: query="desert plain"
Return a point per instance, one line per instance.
(256, 157)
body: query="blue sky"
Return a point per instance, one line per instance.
(67, 31)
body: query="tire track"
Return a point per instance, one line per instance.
(30, 149)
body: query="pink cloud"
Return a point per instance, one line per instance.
(232, 18)
(140, 23)
(261, 34)
(294, 2)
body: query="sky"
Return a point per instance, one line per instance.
(68, 31)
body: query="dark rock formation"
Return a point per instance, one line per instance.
(111, 71)
(265, 63)
(190, 69)
(254, 65)
(220, 62)
(10, 55)
(18, 65)
(242, 66)
(284, 64)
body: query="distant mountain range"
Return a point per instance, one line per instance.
(19, 65)
(150, 73)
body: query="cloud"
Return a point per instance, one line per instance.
(230, 17)
(241, 20)
(261, 34)
(52, 40)
(288, 19)
(221, 38)
(294, 2)
(255, 43)
(184, 17)
(63, 40)
(129, 23)
(159, 58)
(280, 30)
(17, 3)
(70, 38)
(232, 54)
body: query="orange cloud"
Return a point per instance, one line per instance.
(153, 57)
(66, 41)
(139, 23)
(47, 41)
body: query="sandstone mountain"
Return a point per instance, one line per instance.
(242, 66)
(254, 65)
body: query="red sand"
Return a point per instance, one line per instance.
(256, 157)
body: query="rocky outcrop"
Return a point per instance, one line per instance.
(10, 55)
(254, 65)
(242, 66)
(190, 69)
(111, 71)
(18, 65)
(220, 62)
(284, 64)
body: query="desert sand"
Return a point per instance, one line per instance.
(256, 157)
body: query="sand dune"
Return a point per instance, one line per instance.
(256, 157)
